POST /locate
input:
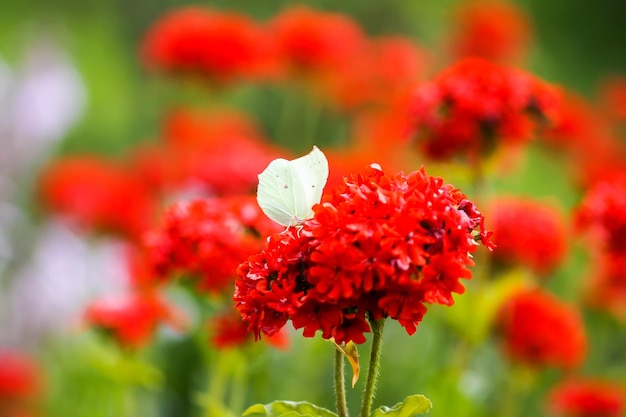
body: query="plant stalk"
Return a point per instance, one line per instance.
(372, 370)
(340, 384)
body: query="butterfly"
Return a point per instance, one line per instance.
(288, 190)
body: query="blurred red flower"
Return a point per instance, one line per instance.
(587, 398)
(606, 288)
(584, 138)
(132, 320)
(229, 330)
(207, 239)
(220, 46)
(378, 246)
(495, 30)
(310, 40)
(602, 213)
(97, 194)
(475, 106)
(528, 233)
(613, 97)
(20, 377)
(539, 330)
(379, 73)
(222, 150)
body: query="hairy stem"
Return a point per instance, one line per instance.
(372, 370)
(340, 385)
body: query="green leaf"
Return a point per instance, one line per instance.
(474, 312)
(287, 409)
(411, 406)
(212, 406)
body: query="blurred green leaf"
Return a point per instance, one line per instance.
(473, 313)
(124, 368)
(213, 407)
(412, 405)
(288, 409)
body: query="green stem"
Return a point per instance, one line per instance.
(372, 370)
(238, 383)
(340, 385)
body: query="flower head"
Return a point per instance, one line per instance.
(613, 97)
(380, 72)
(220, 149)
(475, 105)
(98, 194)
(19, 377)
(602, 212)
(310, 41)
(132, 320)
(527, 323)
(491, 29)
(605, 290)
(378, 246)
(587, 398)
(220, 46)
(229, 330)
(207, 239)
(528, 233)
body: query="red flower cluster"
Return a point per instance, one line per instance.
(131, 321)
(221, 149)
(583, 136)
(310, 41)
(383, 70)
(602, 212)
(527, 323)
(378, 246)
(587, 398)
(19, 377)
(613, 97)
(606, 288)
(494, 30)
(97, 194)
(229, 330)
(208, 239)
(528, 233)
(220, 46)
(20, 384)
(474, 105)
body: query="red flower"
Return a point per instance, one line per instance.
(208, 239)
(587, 398)
(381, 72)
(311, 41)
(229, 330)
(19, 377)
(97, 194)
(584, 137)
(602, 212)
(494, 30)
(475, 105)
(606, 288)
(220, 46)
(132, 320)
(222, 150)
(613, 97)
(527, 323)
(160, 167)
(378, 246)
(528, 233)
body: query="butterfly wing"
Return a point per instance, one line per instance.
(313, 172)
(279, 188)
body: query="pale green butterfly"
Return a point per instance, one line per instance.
(288, 190)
